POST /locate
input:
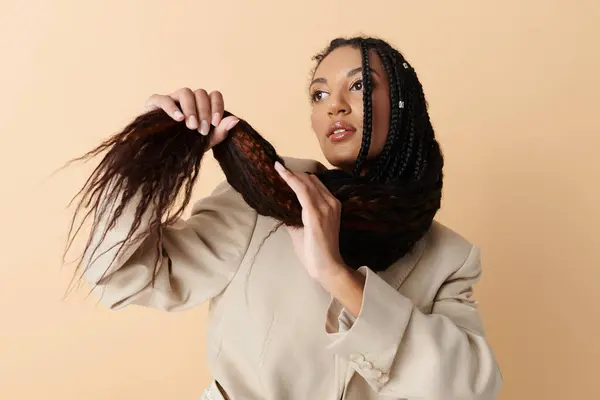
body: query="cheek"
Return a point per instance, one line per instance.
(314, 122)
(313, 118)
(318, 121)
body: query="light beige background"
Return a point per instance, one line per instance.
(513, 87)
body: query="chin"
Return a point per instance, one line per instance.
(341, 155)
(343, 161)
(346, 160)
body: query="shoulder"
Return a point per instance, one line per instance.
(441, 256)
(447, 250)
(445, 240)
(224, 201)
(303, 164)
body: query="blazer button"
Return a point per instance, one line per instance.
(366, 365)
(384, 378)
(357, 358)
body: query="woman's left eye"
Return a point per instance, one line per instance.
(358, 85)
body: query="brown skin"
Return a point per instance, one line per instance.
(336, 94)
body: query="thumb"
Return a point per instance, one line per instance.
(221, 131)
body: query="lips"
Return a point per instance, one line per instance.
(340, 127)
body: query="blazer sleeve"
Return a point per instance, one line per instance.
(404, 353)
(201, 255)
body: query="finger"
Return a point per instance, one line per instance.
(217, 106)
(187, 102)
(327, 195)
(313, 189)
(299, 186)
(327, 203)
(318, 184)
(203, 107)
(222, 130)
(165, 103)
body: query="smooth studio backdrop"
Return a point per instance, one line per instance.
(513, 91)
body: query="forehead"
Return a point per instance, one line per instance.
(344, 59)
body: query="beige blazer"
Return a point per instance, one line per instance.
(274, 333)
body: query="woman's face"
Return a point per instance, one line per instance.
(337, 106)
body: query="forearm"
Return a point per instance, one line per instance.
(347, 286)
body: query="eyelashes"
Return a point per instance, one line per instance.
(316, 95)
(356, 82)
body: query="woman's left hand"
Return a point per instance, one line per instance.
(317, 244)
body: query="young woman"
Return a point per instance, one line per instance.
(289, 318)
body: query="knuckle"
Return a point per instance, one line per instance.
(217, 103)
(337, 210)
(303, 189)
(153, 101)
(204, 111)
(200, 92)
(186, 99)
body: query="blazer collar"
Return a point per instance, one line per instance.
(397, 273)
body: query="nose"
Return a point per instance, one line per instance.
(338, 105)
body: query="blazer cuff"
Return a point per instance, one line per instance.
(372, 341)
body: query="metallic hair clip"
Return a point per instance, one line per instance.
(401, 105)
(405, 65)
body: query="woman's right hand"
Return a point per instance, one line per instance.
(199, 109)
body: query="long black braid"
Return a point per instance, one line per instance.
(395, 116)
(368, 111)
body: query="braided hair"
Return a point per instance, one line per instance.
(411, 151)
(410, 163)
(154, 162)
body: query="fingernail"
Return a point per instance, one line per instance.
(204, 127)
(178, 115)
(192, 122)
(279, 167)
(232, 124)
(215, 119)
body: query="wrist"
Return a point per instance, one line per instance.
(347, 286)
(334, 273)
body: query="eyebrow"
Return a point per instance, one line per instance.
(348, 75)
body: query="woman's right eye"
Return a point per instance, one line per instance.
(318, 95)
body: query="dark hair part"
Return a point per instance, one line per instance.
(384, 213)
